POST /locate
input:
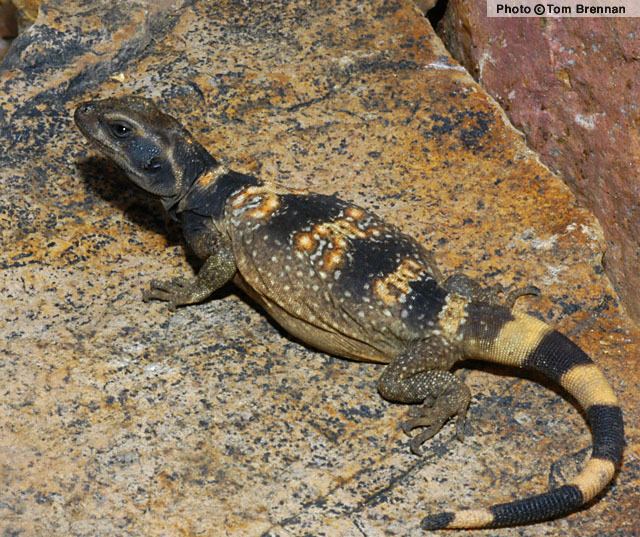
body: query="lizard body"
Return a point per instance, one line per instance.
(341, 279)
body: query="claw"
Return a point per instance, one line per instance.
(180, 282)
(424, 421)
(159, 285)
(460, 423)
(175, 292)
(433, 414)
(415, 444)
(166, 291)
(407, 427)
(155, 294)
(422, 417)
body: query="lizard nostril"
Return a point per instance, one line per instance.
(85, 108)
(83, 113)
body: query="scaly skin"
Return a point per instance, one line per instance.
(341, 279)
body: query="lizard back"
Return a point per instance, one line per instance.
(333, 274)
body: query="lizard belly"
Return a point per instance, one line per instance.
(309, 329)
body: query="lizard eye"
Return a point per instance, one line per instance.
(153, 165)
(120, 129)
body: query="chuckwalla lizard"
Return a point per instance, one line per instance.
(342, 280)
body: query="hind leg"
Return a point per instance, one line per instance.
(420, 376)
(497, 294)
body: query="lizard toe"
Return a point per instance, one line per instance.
(417, 441)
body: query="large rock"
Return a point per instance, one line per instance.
(573, 87)
(8, 22)
(122, 418)
(8, 26)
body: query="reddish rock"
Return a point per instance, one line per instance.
(27, 11)
(573, 87)
(8, 23)
(8, 26)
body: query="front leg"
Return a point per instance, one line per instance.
(217, 270)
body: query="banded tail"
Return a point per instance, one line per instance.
(495, 334)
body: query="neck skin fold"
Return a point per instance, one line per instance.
(192, 164)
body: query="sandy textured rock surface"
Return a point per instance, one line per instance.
(573, 87)
(122, 418)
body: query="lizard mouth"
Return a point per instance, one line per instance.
(87, 120)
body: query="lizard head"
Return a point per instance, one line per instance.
(157, 153)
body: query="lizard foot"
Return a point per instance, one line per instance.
(515, 294)
(434, 413)
(496, 294)
(175, 292)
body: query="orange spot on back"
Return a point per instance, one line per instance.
(268, 198)
(354, 212)
(206, 179)
(304, 242)
(269, 205)
(397, 283)
(336, 232)
(339, 228)
(211, 176)
(332, 259)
